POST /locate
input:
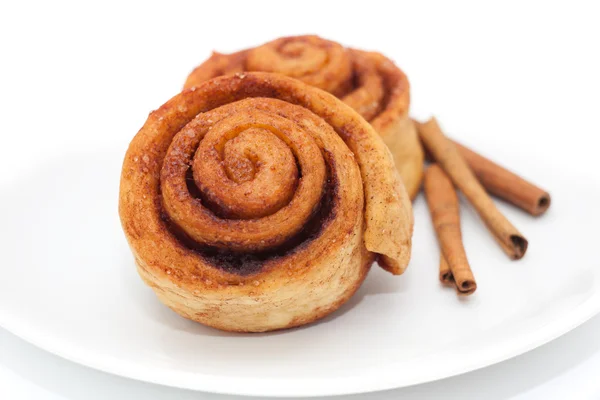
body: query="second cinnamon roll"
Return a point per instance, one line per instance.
(367, 81)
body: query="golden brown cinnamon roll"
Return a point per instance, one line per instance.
(367, 81)
(254, 202)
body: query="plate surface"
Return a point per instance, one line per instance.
(69, 286)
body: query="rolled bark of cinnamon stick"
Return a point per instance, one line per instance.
(443, 206)
(446, 276)
(506, 185)
(450, 159)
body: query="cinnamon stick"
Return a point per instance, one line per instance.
(505, 184)
(449, 158)
(443, 206)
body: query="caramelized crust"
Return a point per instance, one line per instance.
(254, 202)
(367, 81)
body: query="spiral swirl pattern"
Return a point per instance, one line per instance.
(314, 61)
(367, 81)
(254, 202)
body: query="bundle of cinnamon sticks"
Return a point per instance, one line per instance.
(475, 176)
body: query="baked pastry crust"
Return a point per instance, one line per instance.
(213, 255)
(367, 81)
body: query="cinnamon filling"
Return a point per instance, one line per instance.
(244, 263)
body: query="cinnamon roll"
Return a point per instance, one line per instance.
(367, 81)
(253, 202)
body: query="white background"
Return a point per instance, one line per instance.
(85, 75)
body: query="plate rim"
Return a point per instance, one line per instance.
(385, 378)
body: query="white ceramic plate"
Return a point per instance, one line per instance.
(68, 285)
